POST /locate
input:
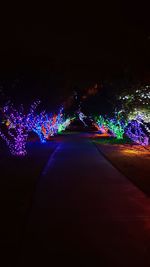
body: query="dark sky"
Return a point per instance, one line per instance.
(83, 35)
(78, 42)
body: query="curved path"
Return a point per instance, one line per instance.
(85, 213)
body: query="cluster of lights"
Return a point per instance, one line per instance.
(139, 125)
(100, 124)
(114, 125)
(37, 125)
(140, 96)
(50, 125)
(117, 127)
(135, 132)
(143, 114)
(45, 125)
(133, 120)
(17, 130)
(65, 124)
(82, 117)
(136, 110)
(18, 124)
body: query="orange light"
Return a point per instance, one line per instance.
(135, 150)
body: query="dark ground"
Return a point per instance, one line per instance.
(69, 206)
(19, 177)
(130, 159)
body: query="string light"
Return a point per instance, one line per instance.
(135, 132)
(82, 117)
(101, 124)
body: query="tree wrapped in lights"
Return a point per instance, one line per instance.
(37, 125)
(135, 132)
(16, 128)
(52, 124)
(43, 125)
(137, 99)
(136, 108)
(136, 103)
(48, 125)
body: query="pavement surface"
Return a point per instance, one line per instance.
(85, 213)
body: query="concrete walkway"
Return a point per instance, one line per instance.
(85, 213)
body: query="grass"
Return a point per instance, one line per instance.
(130, 159)
(113, 141)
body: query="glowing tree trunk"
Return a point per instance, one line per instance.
(17, 126)
(18, 144)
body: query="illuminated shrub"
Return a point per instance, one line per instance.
(117, 127)
(135, 131)
(114, 126)
(101, 125)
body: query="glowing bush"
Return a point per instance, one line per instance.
(114, 125)
(101, 125)
(135, 132)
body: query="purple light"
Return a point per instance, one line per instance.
(18, 126)
(135, 132)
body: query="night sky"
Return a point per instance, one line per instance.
(60, 48)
